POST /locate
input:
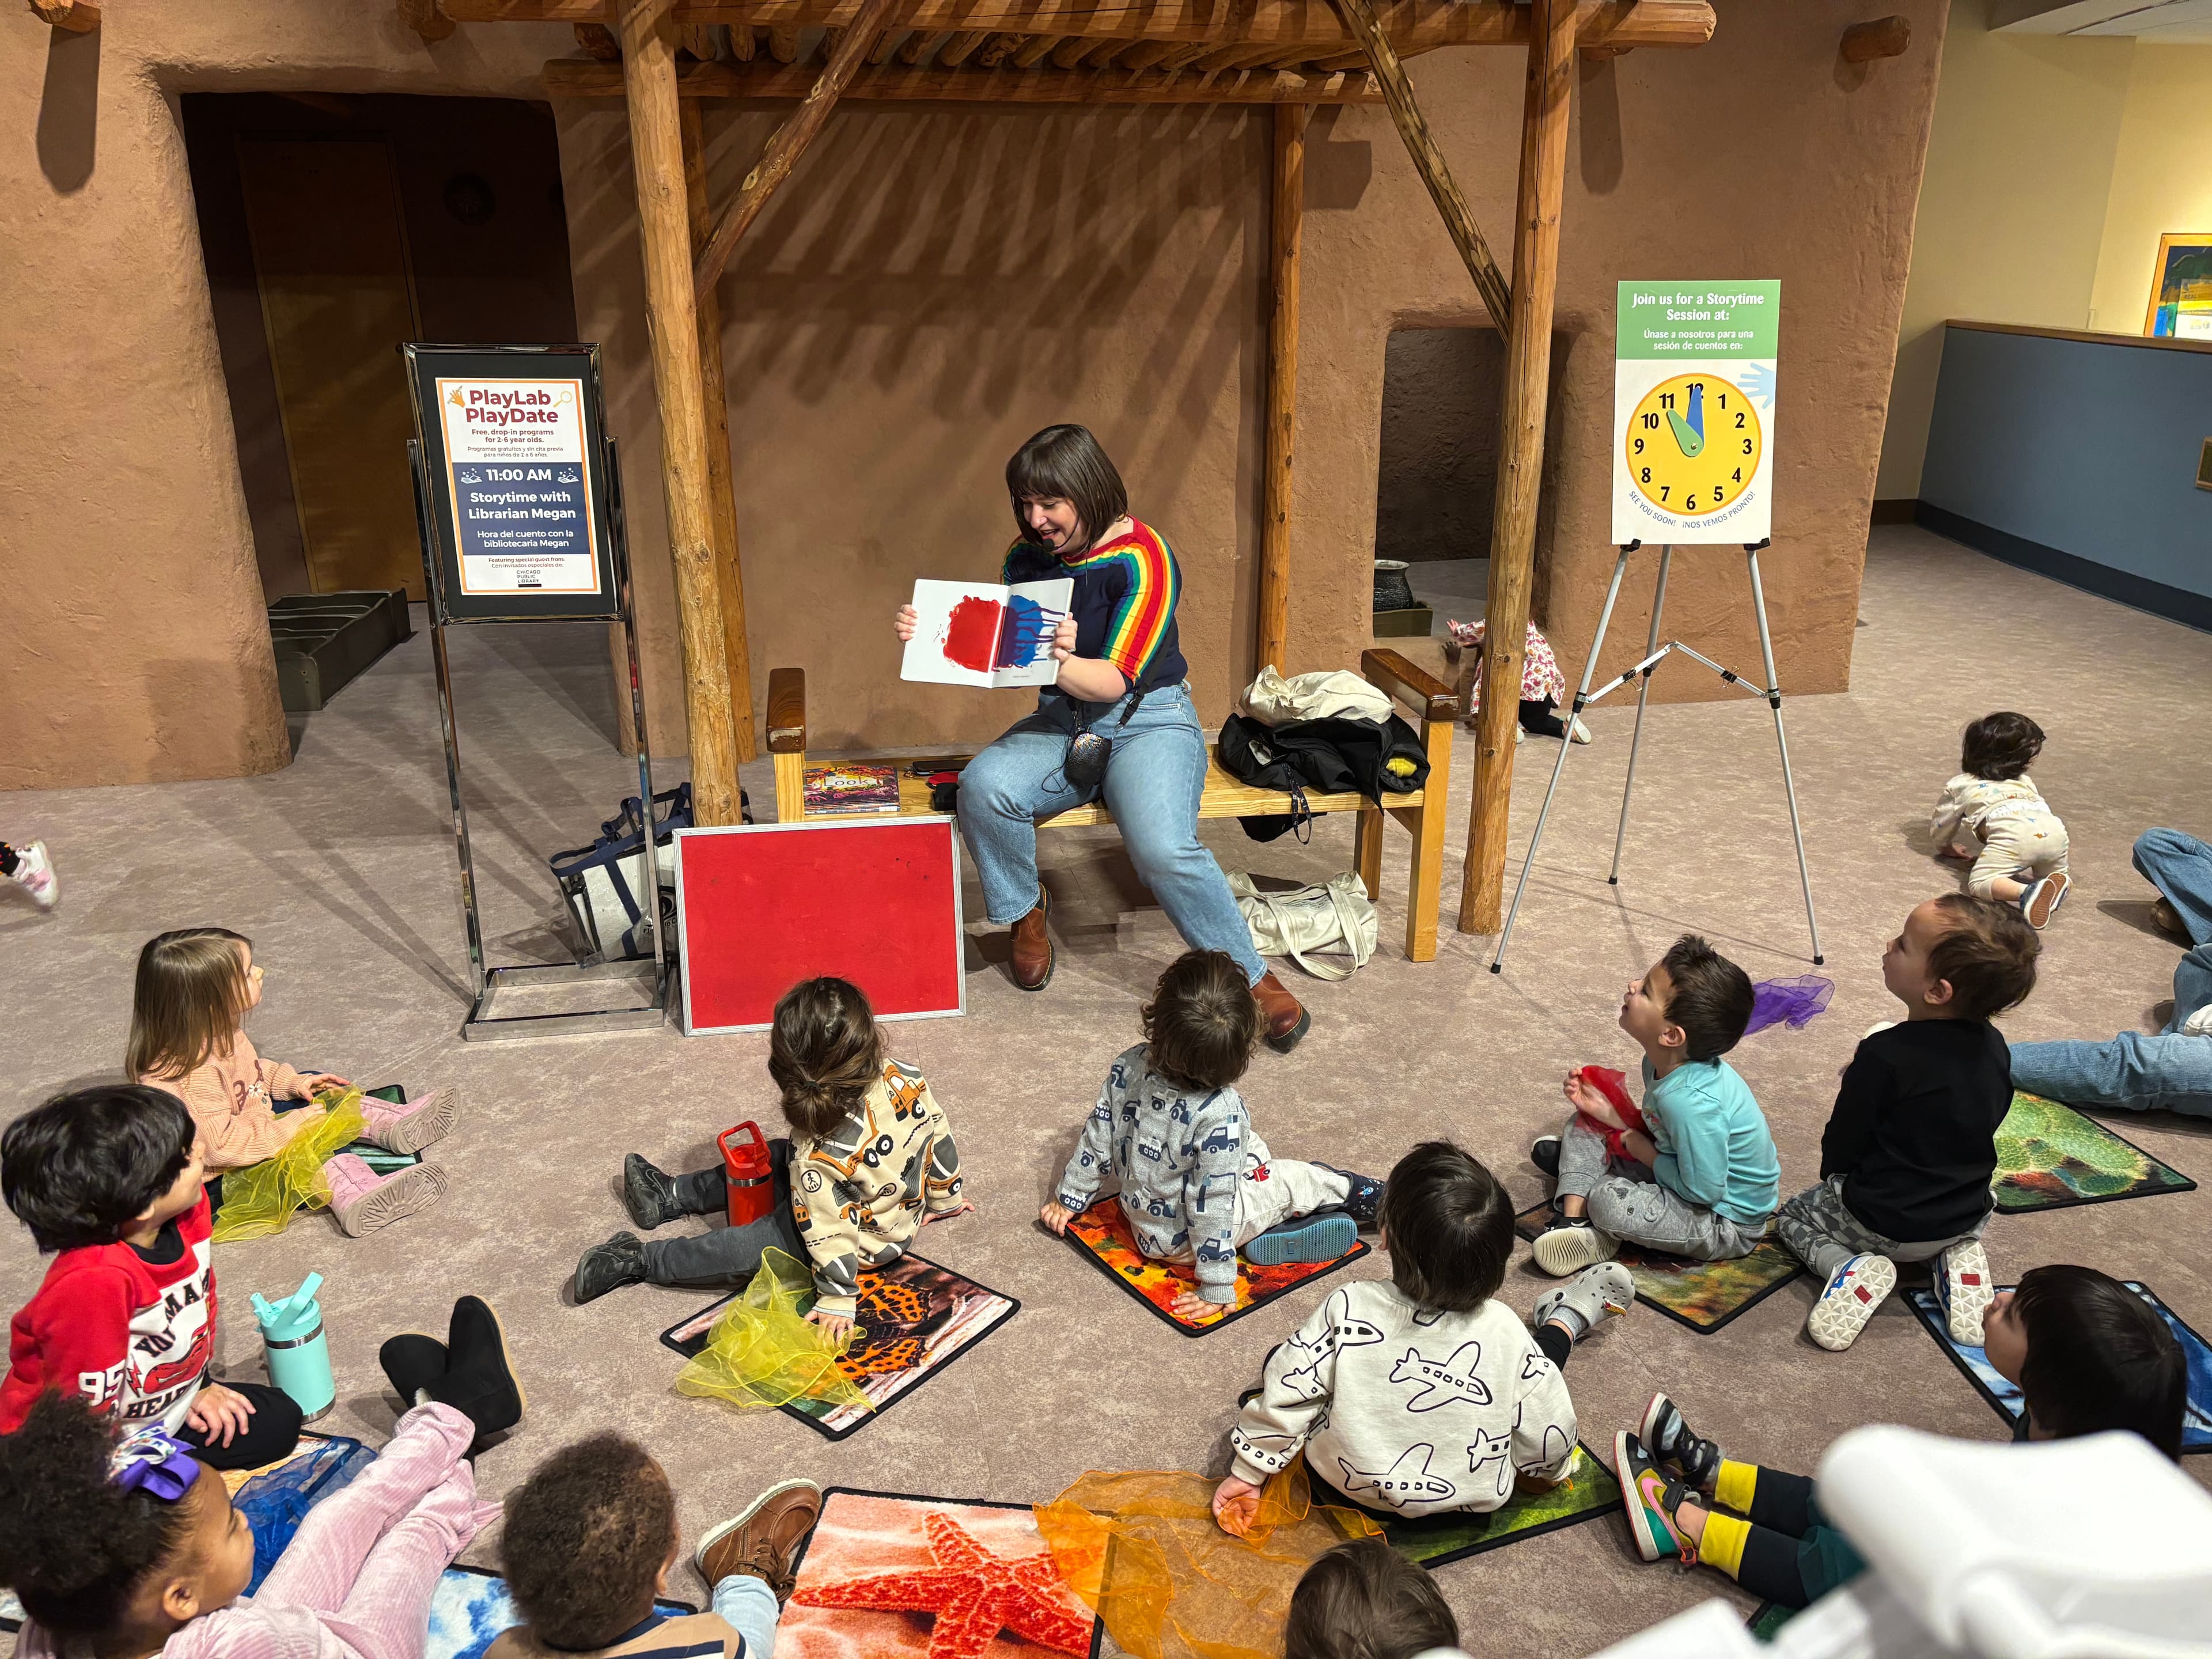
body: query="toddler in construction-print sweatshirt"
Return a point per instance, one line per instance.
(1408, 1410)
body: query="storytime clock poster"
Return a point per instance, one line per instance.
(521, 490)
(1693, 411)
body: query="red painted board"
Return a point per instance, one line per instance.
(761, 907)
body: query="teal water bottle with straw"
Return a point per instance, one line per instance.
(299, 1358)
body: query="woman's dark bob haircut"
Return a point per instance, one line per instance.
(1065, 463)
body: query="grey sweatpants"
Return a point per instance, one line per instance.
(1822, 1232)
(724, 1255)
(1625, 1201)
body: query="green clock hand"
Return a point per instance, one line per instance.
(1690, 435)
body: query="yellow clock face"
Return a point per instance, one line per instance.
(1693, 443)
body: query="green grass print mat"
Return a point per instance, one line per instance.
(1589, 1491)
(1702, 1295)
(2050, 1156)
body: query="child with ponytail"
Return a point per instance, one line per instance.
(871, 1160)
(194, 987)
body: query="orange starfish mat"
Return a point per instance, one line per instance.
(891, 1574)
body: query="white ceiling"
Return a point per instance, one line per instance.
(2171, 22)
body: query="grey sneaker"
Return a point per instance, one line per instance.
(608, 1267)
(1567, 1247)
(648, 1193)
(1593, 1295)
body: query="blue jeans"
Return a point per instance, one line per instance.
(1154, 777)
(2131, 1071)
(748, 1607)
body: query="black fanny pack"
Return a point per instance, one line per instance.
(1087, 751)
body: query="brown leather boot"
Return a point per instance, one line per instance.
(1032, 963)
(1282, 1019)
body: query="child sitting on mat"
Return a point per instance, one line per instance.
(1423, 1395)
(1197, 1183)
(1906, 1158)
(108, 1180)
(1992, 813)
(589, 1540)
(1699, 1177)
(133, 1547)
(1364, 1600)
(870, 1162)
(194, 989)
(2088, 1354)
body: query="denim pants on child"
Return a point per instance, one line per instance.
(1822, 1232)
(1153, 781)
(2131, 1072)
(748, 1607)
(723, 1256)
(1624, 1200)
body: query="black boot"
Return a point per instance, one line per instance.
(648, 1194)
(608, 1266)
(412, 1363)
(1364, 1203)
(479, 1381)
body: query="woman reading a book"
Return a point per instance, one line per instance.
(1120, 679)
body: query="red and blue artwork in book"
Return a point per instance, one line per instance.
(986, 633)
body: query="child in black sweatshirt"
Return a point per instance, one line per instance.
(1906, 1158)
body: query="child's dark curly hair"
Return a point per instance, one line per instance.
(585, 1538)
(825, 1053)
(73, 1547)
(79, 1169)
(1202, 1023)
(2000, 747)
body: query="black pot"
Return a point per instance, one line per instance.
(1392, 591)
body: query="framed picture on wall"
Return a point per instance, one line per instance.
(2181, 286)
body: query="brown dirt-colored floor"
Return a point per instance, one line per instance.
(341, 870)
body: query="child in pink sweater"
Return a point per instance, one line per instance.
(194, 987)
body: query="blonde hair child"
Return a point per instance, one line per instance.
(194, 987)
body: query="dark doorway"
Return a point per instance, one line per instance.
(335, 228)
(1439, 475)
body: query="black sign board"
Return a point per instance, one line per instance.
(516, 462)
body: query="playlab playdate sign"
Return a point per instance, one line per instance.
(1693, 411)
(522, 492)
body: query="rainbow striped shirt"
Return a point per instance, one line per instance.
(1124, 605)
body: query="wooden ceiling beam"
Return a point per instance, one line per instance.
(919, 47)
(997, 49)
(1033, 50)
(769, 82)
(1412, 25)
(961, 47)
(783, 42)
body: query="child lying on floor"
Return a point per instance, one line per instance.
(1906, 1158)
(588, 1546)
(2087, 1352)
(1197, 1182)
(870, 1162)
(194, 989)
(1993, 812)
(1700, 1179)
(1425, 1394)
(133, 1547)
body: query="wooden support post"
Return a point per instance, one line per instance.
(77, 16)
(789, 142)
(1428, 160)
(1519, 455)
(722, 494)
(1287, 215)
(671, 316)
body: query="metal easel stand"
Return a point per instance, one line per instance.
(483, 1024)
(1654, 654)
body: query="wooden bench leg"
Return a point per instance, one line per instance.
(1425, 888)
(1367, 853)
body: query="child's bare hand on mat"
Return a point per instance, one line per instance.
(1190, 1305)
(1055, 1216)
(834, 1326)
(220, 1413)
(947, 1215)
(1235, 1505)
(906, 621)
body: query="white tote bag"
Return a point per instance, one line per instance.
(1307, 924)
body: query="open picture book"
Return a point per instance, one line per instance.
(986, 633)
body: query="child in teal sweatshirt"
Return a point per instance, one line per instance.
(1694, 1173)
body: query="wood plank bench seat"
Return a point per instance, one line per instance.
(1432, 706)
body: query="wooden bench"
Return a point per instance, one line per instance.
(1432, 705)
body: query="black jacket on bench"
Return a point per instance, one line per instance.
(1336, 757)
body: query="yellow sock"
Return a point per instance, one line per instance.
(1734, 1485)
(1723, 1545)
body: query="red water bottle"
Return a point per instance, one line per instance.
(750, 1171)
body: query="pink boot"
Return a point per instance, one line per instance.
(363, 1201)
(413, 1126)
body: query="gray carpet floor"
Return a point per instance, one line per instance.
(341, 868)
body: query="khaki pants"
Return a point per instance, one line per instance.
(2024, 844)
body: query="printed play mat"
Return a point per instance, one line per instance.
(915, 1318)
(470, 1607)
(2005, 1397)
(2051, 1157)
(896, 1575)
(1101, 1236)
(1702, 1295)
(1588, 1491)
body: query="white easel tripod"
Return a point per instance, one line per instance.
(1655, 653)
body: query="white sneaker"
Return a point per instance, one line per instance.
(1963, 1287)
(1568, 1247)
(1581, 733)
(34, 874)
(1852, 1295)
(2198, 1023)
